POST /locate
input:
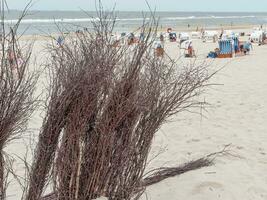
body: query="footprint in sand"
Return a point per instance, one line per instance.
(207, 186)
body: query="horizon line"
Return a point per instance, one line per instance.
(20, 10)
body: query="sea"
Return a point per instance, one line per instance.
(49, 22)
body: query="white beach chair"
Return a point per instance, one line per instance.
(210, 36)
(256, 37)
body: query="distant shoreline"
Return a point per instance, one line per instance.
(138, 11)
(238, 29)
(38, 22)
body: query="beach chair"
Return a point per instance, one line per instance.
(131, 39)
(183, 36)
(257, 37)
(226, 48)
(172, 37)
(187, 46)
(159, 50)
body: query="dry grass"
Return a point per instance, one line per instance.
(104, 106)
(106, 103)
(17, 85)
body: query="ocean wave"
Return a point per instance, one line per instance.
(208, 17)
(66, 20)
(233, 17)
(33, 21)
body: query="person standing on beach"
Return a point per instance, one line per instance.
(161, 37)
(247, 46)
(221, 34)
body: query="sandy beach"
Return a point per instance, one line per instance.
(236, 116)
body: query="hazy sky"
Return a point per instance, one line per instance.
(140, 5)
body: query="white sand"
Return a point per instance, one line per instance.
(237, 116)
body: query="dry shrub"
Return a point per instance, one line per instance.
(17, 84)
(104, 108)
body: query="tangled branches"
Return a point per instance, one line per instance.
(17, 84)
(105, 105)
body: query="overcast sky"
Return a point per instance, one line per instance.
(140, 5)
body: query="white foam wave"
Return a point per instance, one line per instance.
(32, 21)
(66, 20)
(209, 17)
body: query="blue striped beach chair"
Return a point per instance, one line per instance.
(226, 48)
